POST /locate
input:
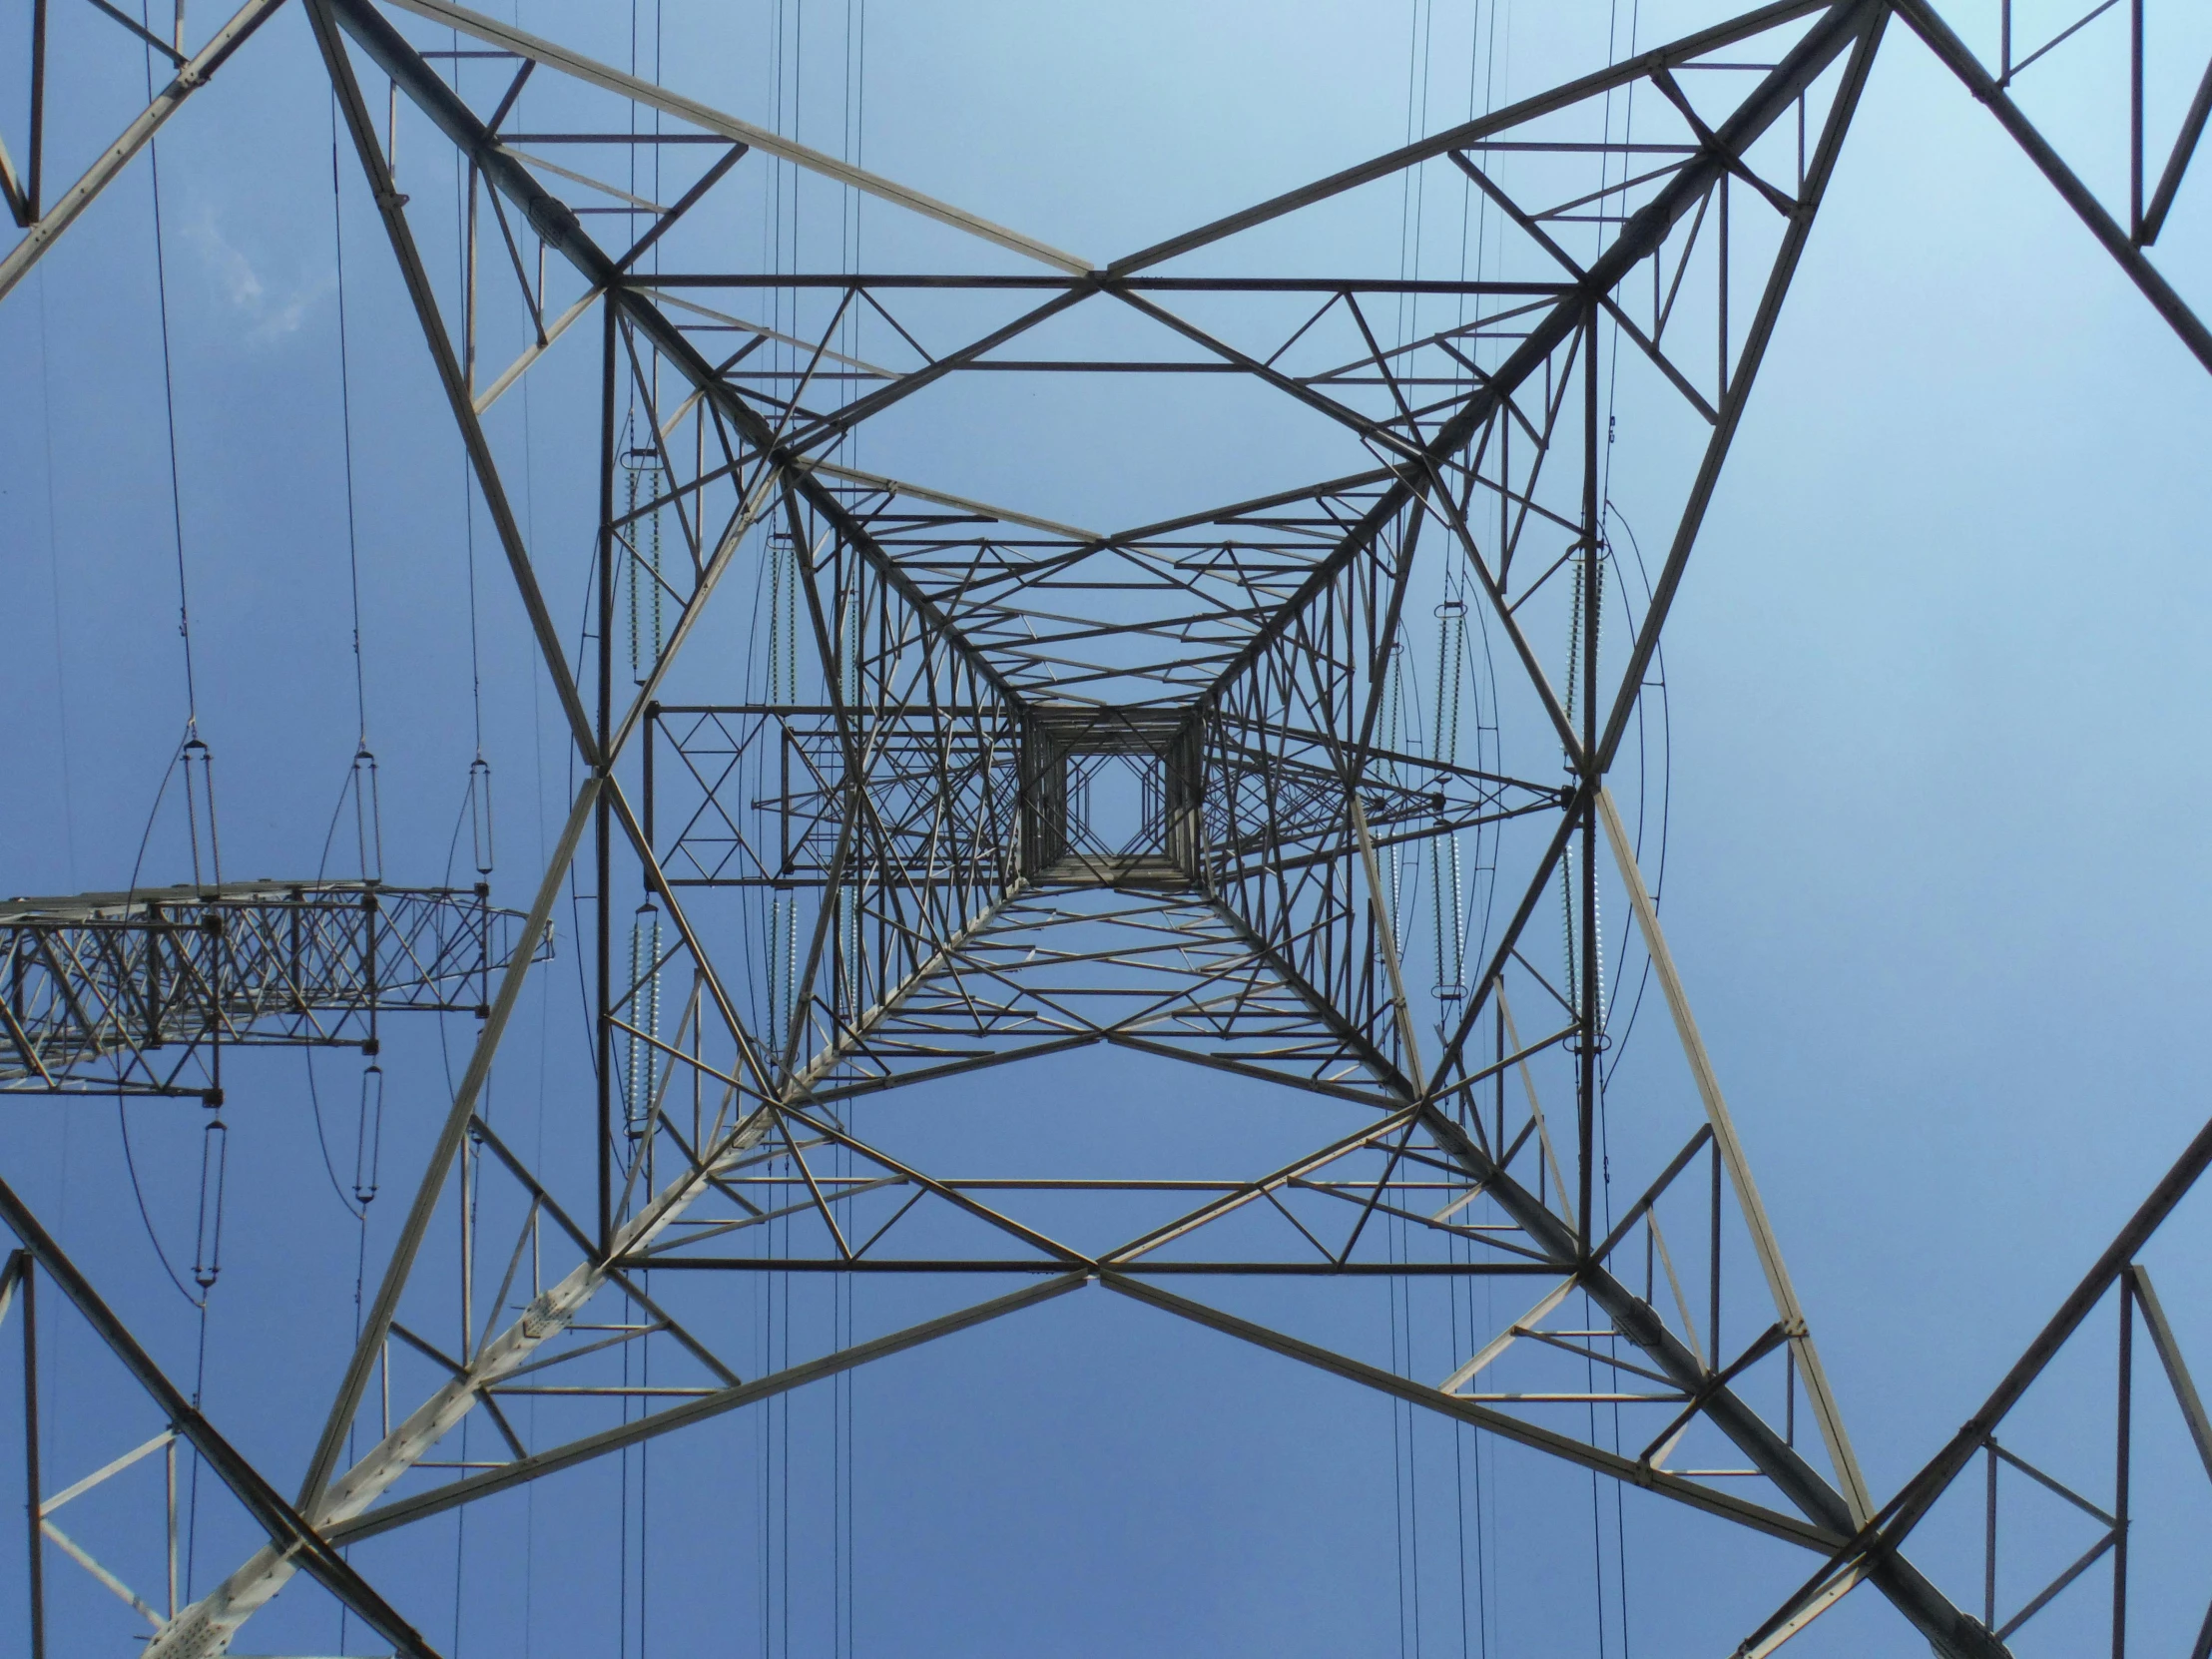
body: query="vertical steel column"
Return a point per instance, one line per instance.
(291, 1539)
(2135, 122)
(1990, 1548)
(1593, 589)
(602, 815)
(168, 1494)
(34, 159)
(1498, 1094)
(468, 287)
(23, 1274)
(1713, 1314)
(45, 227)
(2122, 1439)
(652, 718)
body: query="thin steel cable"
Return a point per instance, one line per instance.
(54, 578)
(475, 654)
(1666, 780)
(169, 408)
(322, 1141)
(584, 637)
(1398, 1460)
(1628, 136)
(790, 943)
(774, 1291)
(353, 785)
(545, 983)
(1475, 212)
(122, 1101)
(651, 1020)
(468, 474)
(845, 1292)
(346, 419)
(192, 1510)
(138, 1192)
(1405, 1471)
(1628, 132)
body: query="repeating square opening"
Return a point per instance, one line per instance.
(1109, 795)
(1114, 804)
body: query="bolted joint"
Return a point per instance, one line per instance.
(538, 1317)
(552, 219)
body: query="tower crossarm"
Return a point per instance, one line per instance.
(137, 992)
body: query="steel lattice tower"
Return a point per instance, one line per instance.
(975, 786)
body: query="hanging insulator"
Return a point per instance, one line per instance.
(645, 1015)
(854, 634)
(790, 964)
(628, 537)
(653, 558)
(207, 855)
(368, 821)
(479, 812)
(647, 635)
(774, 960)
(207, 1255)
(782, 616)
(369, 1134)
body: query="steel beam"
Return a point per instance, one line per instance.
(206, 1627)
(403, 1511)
(1748, 1202)
(593, 73)
(1959, 58)
(1845, 24)
(1954, 1634)
(291, 1539)
(1878, 1539)
(1755, 1516)
(564, 234)
(192, 75)
(1756, 21)
(443, 1152)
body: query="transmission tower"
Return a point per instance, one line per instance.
(1342, 791)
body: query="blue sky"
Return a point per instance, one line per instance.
(1934, 869)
